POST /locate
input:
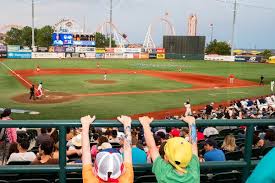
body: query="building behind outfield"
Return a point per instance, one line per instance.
(184, 47)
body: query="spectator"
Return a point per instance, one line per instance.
(114, 138)
(22, 146)
(210, 131)
(229, 144)
(10, 132)
(175, 132)
(109, 164)
(42, 137)
(181, 163)
(208, 110)
(264, 172)
(200, 134)
(185, 133)
(212, 154)
(44, 157)
(139, 156)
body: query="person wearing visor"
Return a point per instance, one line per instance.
(180, 163)
(109, 165)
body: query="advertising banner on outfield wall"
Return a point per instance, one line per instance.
(59, 49)
(114, 55)
(13, 48)
(160, 50)
(90, 55)
(132, 50)
(152, 56)
(85, 49)
(254, 59)
(219, 58)
(3, 54)
(3, 49)
(110, 50)
(100, 50)
(161, 56)
(151, 50)
(144, 56)
(48, 55)
(51, 49)
(119, 50)
(42, 49)
(69, 50)
(128, 55)
(20, 55)
(100, 55)
(84, 43)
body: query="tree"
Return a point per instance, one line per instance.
(218, 47)
(266, 54)
(102, 40)
(13, 36)
(23, 37)
(44, 36)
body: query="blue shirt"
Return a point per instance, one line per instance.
(264, 172)
(138, 156)
(214, 155)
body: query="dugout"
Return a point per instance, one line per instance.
(184, 47)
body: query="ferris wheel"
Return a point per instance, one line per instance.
(168, 29)
(68, 26)
(120, 38)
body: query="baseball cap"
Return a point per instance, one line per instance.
(179, 153)
(104, 146)
(109, 165)
(175, 132)
(76, 140)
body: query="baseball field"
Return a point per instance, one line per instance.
(73, 88)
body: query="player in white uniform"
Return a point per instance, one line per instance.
(105, 76)
(40, 90)
(272, 84)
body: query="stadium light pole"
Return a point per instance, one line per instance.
(233, 27)
(212, 30)
(111, 23)
(33, 43)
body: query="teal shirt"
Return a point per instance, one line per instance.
(166, 173)
(265, 170)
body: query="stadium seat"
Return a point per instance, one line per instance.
(256, 153)
(146, 179)
(71, 180)
(204, 179)
(266, 150)
(225, 132)
(19, 163)
(236, 155)
(31, 180)
(227, 177)
(4, 181)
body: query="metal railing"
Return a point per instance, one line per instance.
(246, 164)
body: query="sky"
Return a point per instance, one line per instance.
(254, 26)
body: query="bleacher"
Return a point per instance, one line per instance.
(238, 167)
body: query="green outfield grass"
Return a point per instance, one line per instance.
(124, 83)
(110, 106)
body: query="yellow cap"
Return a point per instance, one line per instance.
(178, 152)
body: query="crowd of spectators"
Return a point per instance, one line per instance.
(108, 154)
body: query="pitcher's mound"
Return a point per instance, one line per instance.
(47, 98)
(102, 81)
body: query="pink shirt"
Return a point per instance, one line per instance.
(11, 132)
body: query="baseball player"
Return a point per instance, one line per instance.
(105, 76)
(39, 93)
(261, 80)
(272, 84)
(38, 68)
(98, 65)
(187, 106)
(32, 93)
(231, 78)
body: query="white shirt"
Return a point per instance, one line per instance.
(210, 131)
(27, 156)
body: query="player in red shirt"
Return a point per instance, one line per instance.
(231, 78)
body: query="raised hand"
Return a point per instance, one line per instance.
(189, 120)
(145, 120)
(125, 120)
(87, 120)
